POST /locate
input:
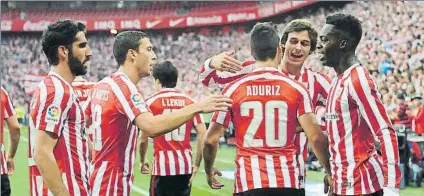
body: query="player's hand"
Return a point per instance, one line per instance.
(214, 103)
(10, 165)
(225, 61)
(213, 183)
(328, 185)
(144, 167)
(193, 173)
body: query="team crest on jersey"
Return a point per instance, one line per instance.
(53, 114)
(331, 116)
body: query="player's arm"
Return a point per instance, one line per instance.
(372, 109)
(143, 143)
(209, 152)
(201, 130)
(46, 162)
(316, 137)
(220, 70)
(14, 134)
(157, 125)
(324, 85)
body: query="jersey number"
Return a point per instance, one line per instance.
(96, 122)
(274, 136)
(178, 134)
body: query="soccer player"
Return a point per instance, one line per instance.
(58, 154)
(298, 41)
(355, 116)
(117, 109)
(266, 106)
(173, 170)
(8, 162)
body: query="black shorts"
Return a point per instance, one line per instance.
(5, 185)
(378, 193)
(271, 192)
(170, 185)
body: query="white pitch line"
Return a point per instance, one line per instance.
(224, 161)
(139, 190)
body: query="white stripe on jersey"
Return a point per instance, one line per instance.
(189, 156)
(181, 162)
(243, 175)
(43, 99)
(378, 172)
(125, 185)
(257, 181)
(99, 177)
(285, 171)
(116, 184)
(127, 162)
(120, 95)
(171, 163)
(272, 177)
(57, 100)
(369, 181)
(133, 90)
(347, 122)
(162, 163)
(108, 185)
(296, 171)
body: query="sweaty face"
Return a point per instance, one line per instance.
(146, 58)
(328, 46)
(297, 47)
(79, 55)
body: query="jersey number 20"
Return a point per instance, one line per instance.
(268, 112)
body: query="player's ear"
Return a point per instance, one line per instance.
(62, 52)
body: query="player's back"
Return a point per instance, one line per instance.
(265, 108)
(172, 154)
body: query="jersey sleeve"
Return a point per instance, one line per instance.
(129, 100)
(367, 98)
(305, 103)
(212, 78)
(52, 105)
(8, 107)
(222, 117)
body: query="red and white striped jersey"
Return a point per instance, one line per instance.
(317, 84)
(114, 105)
(7, 111)
(55, 108)
(83, 90)
(172, 155)
(355, 117)
(266, 105)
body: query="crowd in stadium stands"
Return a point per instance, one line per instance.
(391, 48)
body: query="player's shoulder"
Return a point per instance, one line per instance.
(317, 74)
(248, 63)
(358, 73)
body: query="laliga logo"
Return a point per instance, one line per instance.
(54, 112)
(136, 98)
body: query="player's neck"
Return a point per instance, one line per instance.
(268, 63)
(346, 61)
(131, 73)
(64, 71)
(291, 69)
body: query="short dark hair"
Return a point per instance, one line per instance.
(124, 41)
(60, 33)
(346, 23)
(299, 25)
(264, 41)
(166, 73)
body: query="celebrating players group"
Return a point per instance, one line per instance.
(83, 136)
